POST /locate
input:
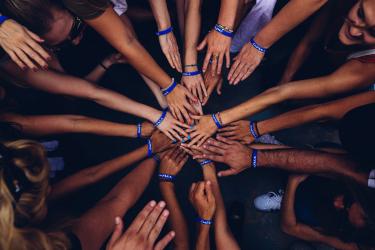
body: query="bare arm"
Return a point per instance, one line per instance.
(203, 237)
(291, 226)
(43, 125)
(192, 31)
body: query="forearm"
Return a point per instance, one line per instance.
(96, 173)
(192, 31)
(294, 13)
(327, 111)
(45, 125)
(161, 13)
(203, 237)
(228, 11)
(110, 26)
(96, 74)
(312, 162)
(176, 217)
(296, 60)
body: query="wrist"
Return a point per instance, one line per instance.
(3, 19)
(166, 185)
(263, 40)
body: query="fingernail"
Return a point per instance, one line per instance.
(162, 204)
(117, 220)
(204, 146)
(208, 183)
(173, 234)
(189, 137)
(152, 203)
(165, 213)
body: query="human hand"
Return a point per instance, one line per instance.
(203, 199)
(160, 142)
(298, 178)
(178, 102)
(170, 49)
(218, 46)
(172, 128)
(23, 46)
(112, 59)
(195, 85)
(238, 131)
(147, 129)
(232, 153)
(244, 64)
(144, 230)
(203, 130)
(212, 82)
(173, 161)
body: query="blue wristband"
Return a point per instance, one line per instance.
(205, 162)
(193, 73)
(169, 89)
(156, 157)
(257, 46)
(164, 32)
(161, 119)
(3, 19)
(217, 122)
(204, 222)
(223, 31)
(149, 148)
(166, 177)
(254, 158)
(139, 130)
(253, 131)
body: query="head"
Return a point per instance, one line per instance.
(47, 18)
(23, 192)
(359, 26)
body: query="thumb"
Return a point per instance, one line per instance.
(203, 44)
(228, 172)
(117, 232)
(210, 195)
(219, 86)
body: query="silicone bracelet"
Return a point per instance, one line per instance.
(191, 65)
(222, 31)
(156, 158)
(254, 158)
(166, 177)
(257, 46)
(139, 130)
(170, 88)
(253, 131)
(164, 32)
(161, 119)
(217, 122)
(149, 148)
(204, 222)
(205, 162)
(193, 73)
(3, 19)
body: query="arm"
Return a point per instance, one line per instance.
(223, 235)
(99, 70)
(290, 225)
(168, 42)
(203, 237)
(110, 26)
(44, 125)
(334, 110)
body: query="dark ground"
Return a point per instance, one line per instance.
(259, 230)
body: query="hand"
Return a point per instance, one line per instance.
(172, 128)
(298, 178)
(244, 64)
(212, 82)
(22, 46)
(238, 131)
(232, 153)
(218, 46)
(116, 58)
(195, 85)
(178, 102)
(173, 161)
(160, 142)
(203, 199)
(144, 231)
(204, 129)
(170, 49)
(147, 129)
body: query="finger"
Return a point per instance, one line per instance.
(16, 60)
(203, 44)
(227, 58)
(142, 216)
(199, 93)
(25, 59)
(195, 140)
(212, 157)
(185, 114)
(191, 129)
(183, 125)
(187, 150)
(220, 63)
(192, 189)
(218, 88)
(195, 92)
(191, 96)
(175, 152)
(152, 218)
(201, 141)
(206, 60)
(230, 127)
(228, 133)
(174, 134)
(169, 58)
(169, 154)
(214, 149)
(173, 112)
(36, 57)
(39, 49)
(117, 232)
(199, 192)
(227, 172)
(165, 241)
(34, 36)
(225, 140)
(209, 193)
(181, 131)
(239, 72)
(178, 114)
(233, 70)
(177, 61)
(169, 136)
(158, 226)
(201, 82)
(249, 72)
(183, 161)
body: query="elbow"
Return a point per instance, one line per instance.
(279, 93)
(289, 227)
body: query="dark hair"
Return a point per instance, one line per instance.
(36, 15)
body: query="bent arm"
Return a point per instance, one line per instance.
(334, 110)
(96, 173)
(43, 125)
(351, 76)
(291, 226)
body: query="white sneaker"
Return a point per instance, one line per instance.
(269, 202)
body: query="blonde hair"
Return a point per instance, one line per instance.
(19, 217)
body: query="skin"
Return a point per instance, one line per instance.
(334, 110)
(291, 226)
(172, 162)
(23, 46)
(249, 58)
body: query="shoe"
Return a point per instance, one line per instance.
(269, 202)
